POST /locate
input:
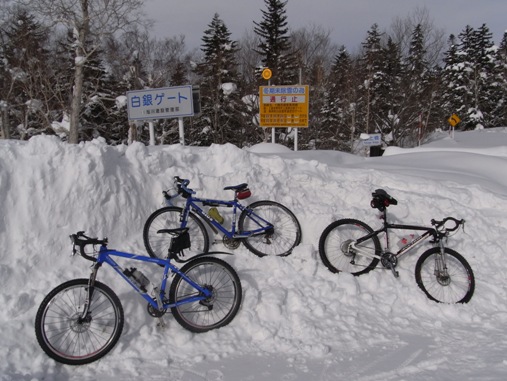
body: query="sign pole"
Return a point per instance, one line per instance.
(152, 133)
(182, 132)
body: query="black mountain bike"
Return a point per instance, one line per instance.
(352, 246)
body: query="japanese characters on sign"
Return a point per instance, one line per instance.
(283, 106)
(161, 103)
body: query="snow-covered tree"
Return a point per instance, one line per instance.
(90, 20)
(221, 118)
(25, 67)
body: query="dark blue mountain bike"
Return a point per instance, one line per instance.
(264, 227)
(81, 320)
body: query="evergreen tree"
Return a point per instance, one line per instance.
(452, 80)
(500, 110)
(274, 46)
(339, 111)
(371, 72)
(417, 90)
(486, 86)
(221, 118)
(389, 106)
(472, 79)
(25, 67)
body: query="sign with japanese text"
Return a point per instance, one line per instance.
(373, 140)
(283, 106)
(161, 103)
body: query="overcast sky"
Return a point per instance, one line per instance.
(347, 21)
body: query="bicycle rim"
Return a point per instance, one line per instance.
(66, 339)
(335, 252)
(287, 230)
(454, 285)
(157, 244)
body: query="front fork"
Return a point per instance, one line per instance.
(89, 295)
(440, 271)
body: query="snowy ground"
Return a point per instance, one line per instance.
(298, 321)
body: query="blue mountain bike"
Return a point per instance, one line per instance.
(264, 227)
(81, 320)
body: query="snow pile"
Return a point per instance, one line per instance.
(298, 321)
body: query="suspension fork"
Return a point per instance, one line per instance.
(440, 260)
(91, 288)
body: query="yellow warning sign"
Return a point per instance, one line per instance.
(454, 120)
(283, 106)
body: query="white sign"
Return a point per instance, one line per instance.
(161, 103)
(373, 140)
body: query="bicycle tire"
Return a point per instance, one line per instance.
(157, 245)
(333, 249)
(287, 230)
(220, 309)
(68, 341)
(457, 287)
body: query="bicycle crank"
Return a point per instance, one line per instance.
(389, 261)
(155, 312)
(231, 243)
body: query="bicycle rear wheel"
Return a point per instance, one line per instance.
(67, 338)
(285, 236)
(335, 251)
(218, 310)
(157, 244)
(445, 280)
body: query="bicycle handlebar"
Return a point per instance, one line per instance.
(440, 224)
(81, 240)
(181, 186)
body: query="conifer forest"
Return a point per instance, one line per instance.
(65, 70)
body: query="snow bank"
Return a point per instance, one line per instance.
(298, 320)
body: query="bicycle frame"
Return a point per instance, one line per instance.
(428, 231)
(105, 256)
(192, 204)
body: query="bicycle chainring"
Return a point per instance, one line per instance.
(389, 260)
(155, 312)
(231, 243)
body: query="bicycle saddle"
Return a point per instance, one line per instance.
(174, 232)
(237, 188)
(381, 200)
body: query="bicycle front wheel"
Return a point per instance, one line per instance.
(337, 254)
(157, 244)
(69, 338)
(284, 237)
(220, 308)
(446, 278)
